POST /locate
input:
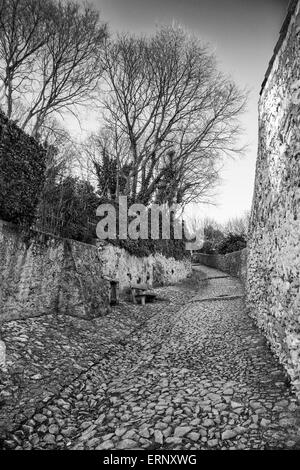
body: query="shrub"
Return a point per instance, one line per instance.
(207, 248)
(22, 173)
(172, 248)
(67, 208)
(168, 248)
(232, 242)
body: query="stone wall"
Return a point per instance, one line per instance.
(234, 263)
(154, 270)
(273, 283)
(43, 274)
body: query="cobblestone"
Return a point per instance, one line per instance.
(192, 372)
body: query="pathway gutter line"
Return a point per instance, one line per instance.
(231, 297)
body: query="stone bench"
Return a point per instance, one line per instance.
(142, 293)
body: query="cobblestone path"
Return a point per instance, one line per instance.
(195, 374)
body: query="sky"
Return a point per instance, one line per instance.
(242, 34)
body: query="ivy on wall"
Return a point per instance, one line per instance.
(22, 173)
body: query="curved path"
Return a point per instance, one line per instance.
(197, 374)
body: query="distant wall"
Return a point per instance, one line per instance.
(234, 263)
(273, 284)
(45, 274)
(152, 270)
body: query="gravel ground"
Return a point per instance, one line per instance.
(190, 372)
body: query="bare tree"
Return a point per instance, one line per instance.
(49, 59)
(173, 112)
(22, 33)
(197, 223)
(215, 232)
(238, 225)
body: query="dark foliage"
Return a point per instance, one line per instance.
(112, 181)
(172, 247)
(207, 248)
(232, 242)
(22, 173)
(213, 237)
(68, 209)
(168, 248)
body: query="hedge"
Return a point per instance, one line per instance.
(22, 173)
(140, 248)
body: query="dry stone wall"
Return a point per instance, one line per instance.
(43, 274)
(234, 263)
(273, 278)
(154, 270)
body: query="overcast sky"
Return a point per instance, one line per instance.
(243, 34)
